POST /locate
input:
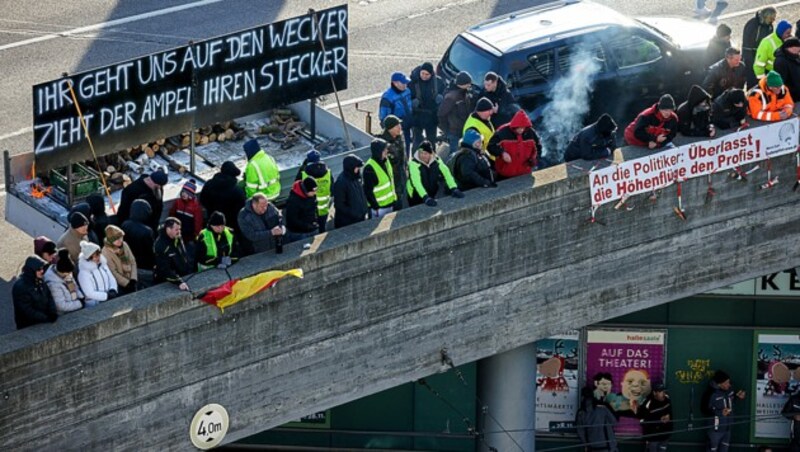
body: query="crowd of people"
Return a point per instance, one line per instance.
(489, 138)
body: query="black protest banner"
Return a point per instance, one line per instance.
(166, 93)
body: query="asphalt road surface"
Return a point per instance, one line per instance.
(38, 42)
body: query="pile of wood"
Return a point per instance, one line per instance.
(122, 167)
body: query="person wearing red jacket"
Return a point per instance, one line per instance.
(515, 147)
(187, 209)
(655, 127)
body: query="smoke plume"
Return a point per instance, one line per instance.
(569, 103)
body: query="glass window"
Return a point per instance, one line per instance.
(535, 69)
(633, 50)
(465, 56)
(567, 54)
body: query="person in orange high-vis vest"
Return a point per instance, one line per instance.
(770, 100)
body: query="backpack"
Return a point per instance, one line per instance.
(452, 163)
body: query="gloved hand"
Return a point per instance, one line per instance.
(456, 193)
(439, 99)
(112, 294)
(131, 287)
(430, 202)
(415, 103)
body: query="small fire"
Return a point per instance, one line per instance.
(38, 191)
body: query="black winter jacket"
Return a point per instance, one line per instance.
(788, 66)
(222, 194)
(595, 141)
(33, 302)
(454, 110)
(506, 104)
(99, 217)
(172, 260)
(472, 169)
(650, 413)
(349, 200)
(722, 76)
(724, 113)
(694, 115)
(139, 236)
(424, 95)
(301, 210)
(138, 189)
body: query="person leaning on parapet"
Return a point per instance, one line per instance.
(595, 141)
(313, 167)
(770, 101)
(787, 63)
(349, 199)
(147, 187)
(427, 93)
(765, 55)
(33, 302)
(261, 225)
(261, 175)
(481, 121)
(95, 278)
(655, 415)
(140, 238)
(717, 45)
(223, 194)
(504, 105)
(515, 147)
(426, 171)
(216, 244)
(456, 108)
(172, 260)
(393, 135)
(655, 127)
(721, 404)
(791, 411)
(397, 101)
(726, 73)
(120, 259)
(379, 180)
(76, 233)
(595, 423)
(729, 109)
(301, 209)
(59, 278)
(694, 115)
(756, 29)
(471, 168)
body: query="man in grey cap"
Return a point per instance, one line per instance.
(456, 108)
(148, 187)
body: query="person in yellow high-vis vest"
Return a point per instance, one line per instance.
(480, 120)
(379, 180)
(261, 175)
(426, 170)
(216, 245)
(313, 167)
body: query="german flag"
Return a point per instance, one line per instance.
(237, 290)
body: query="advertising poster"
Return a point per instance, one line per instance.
(623, 366)
(557, 391)
(777, 375)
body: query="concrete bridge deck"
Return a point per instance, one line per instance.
(499, 269)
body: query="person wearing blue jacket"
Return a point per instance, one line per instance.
(593, 142)
(397, 101)
(721, 404)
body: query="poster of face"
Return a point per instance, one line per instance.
(622, 367)
(777, 361)
(557, 382)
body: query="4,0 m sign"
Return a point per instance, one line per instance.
(209, 426)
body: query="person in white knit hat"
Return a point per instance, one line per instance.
(94, 276)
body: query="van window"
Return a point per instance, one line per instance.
(633, 50)
(465, 56)
(538, 68)
(567, 54)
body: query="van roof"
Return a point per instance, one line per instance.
(508, 32)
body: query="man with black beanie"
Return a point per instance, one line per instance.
(379, 180)
(301, 209)
(223, 194)
(71, 238)
(427, 93)
(655, 127)
(216, 245)
(721, 404)
(595, 141)
(456, 108)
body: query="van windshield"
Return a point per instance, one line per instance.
(465, 56)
